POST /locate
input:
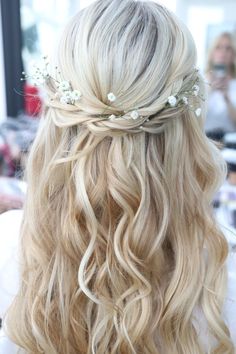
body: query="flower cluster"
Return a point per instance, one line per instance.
(40, 75)
(184, 98)
(68, 96)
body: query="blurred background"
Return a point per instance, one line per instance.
(31, 28)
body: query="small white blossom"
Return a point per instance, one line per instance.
(196, 89)
(64, 99)
(198, 112)
(134, 114)
(172, 101)
(111, 97)
(64, 86)
(67, 94)
(75, 95)
(112, 117)
(185, 100)
(40, 74)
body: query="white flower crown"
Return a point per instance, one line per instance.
(67, 95)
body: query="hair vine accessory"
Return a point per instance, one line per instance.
(133, 115)
(67, 95)
(185, 97)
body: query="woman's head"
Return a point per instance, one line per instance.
(127, 48)
(119, 245)
(223, 52)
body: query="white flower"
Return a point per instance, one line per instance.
(75, 95)
(198, 112)
(134, 114)
(64, 99)
(196, 89)
(111, 97)
(39, 74)
(67, 94)
(112, 117)
(172, 101)
(185, 100)
(64, 86)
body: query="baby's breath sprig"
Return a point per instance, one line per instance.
(133, 115)
(41, 75)
(185, 97)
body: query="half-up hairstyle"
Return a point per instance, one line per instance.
(120, 252)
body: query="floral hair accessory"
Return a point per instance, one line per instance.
(66, 94)
(111, 97)
(128, 116)
(198, 112)
(185, 100)
(186, 97)
(134, 115)
(196, 89)
(172, 100)
(41, 75)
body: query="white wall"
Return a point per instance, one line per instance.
(2, 81)
(85, 3)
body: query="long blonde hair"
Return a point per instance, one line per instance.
(119, 247)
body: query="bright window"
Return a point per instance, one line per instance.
(199, 20)
(170, 4)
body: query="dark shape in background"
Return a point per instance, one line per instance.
(12, 45)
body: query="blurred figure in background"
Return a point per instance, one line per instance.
(221, 74)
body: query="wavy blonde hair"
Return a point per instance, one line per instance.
(119, 247)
